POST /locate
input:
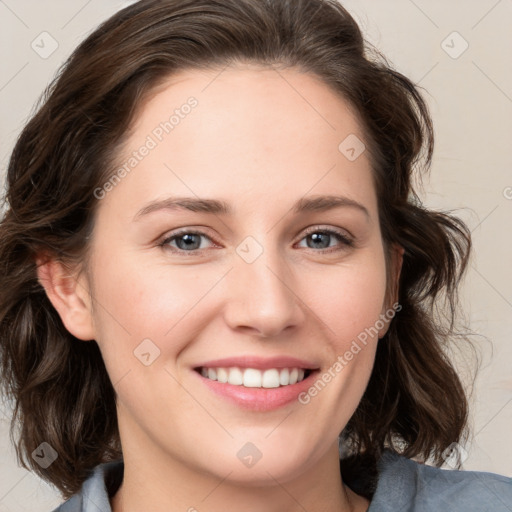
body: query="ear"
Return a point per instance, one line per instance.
(395, 268)
(69, 293)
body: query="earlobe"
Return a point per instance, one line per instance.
(69, 295)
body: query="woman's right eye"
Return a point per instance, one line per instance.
(185, 241)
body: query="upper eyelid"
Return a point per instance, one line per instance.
(313, 229)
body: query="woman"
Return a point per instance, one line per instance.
(219, 280)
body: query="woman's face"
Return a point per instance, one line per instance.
(276, 279)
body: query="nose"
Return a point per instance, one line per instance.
(263, 296)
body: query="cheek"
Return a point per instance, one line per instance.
(349, 297)
(135, 302)
(350, 302)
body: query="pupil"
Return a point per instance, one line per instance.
(317, 238)
(188, 241)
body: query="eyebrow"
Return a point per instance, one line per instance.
(216, 207)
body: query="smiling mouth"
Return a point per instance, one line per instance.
(255, 378)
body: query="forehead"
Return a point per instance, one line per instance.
(244, 128)
(245, 94)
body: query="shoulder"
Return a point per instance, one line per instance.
(96, 490)
(406, 485)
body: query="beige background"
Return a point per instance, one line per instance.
(471, 101)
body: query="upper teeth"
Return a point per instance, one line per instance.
(253, 378)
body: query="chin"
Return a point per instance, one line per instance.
(256, 467)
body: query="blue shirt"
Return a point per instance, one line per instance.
(403, 485)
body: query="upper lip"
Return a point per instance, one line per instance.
(260, 363)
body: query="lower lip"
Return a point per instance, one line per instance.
(259, 399)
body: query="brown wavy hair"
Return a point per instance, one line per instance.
(414, 404)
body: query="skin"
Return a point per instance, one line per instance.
(259, 140)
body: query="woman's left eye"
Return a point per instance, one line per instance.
(190, 241)
(323, 237)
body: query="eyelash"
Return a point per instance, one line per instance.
(341, 236)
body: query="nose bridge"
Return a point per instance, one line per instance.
(261, 289)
